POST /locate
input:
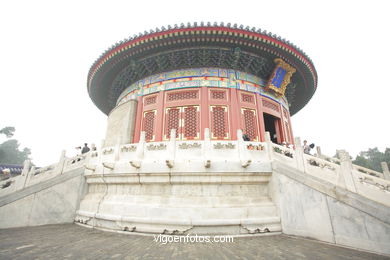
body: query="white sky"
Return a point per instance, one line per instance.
(47, 48)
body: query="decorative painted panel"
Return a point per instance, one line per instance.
(218, 94)
(191, 94)
(270, 105)
(248, 98)
(280, 77)
(219, 122)
(199, 77)
(148, 124)
(150, 100)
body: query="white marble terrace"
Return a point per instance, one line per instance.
(179, 187)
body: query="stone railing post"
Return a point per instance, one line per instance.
(24, 175)
(268, 144)
(139, 152)
(299, 154)
(100, 151)
(117, 150)
(30, 174)
(345, 178)
(26, 167)
(60, 165)
(319, 153)
(206, 148)
(242, 150)
(171, 149)
(385, 169)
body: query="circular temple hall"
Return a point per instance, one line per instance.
(197, 77)
(192, 114)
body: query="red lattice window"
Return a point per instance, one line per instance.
(191, 94)
(247, 98)
(148, 125)
(270, 105)
(250, 123)
(191, 122)
(172, 121)
(218, 94)
(219, 122)
(185, 120)
(150, 100)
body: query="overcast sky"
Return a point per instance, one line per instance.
(47, 48)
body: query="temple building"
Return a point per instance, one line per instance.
(191, 78)
(199, 141)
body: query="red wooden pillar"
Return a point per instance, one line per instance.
(234, 111)
(137, 129)
(204, 111)
(260, 116)
(291, 131)
(160, 117)
(283, 136)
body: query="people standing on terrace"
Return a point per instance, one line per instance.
(85, 149)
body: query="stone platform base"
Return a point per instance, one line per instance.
(180, 203)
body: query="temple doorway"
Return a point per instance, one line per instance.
(271, 124)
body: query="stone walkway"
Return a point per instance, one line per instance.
(70, 241)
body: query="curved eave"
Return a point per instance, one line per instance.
(114, 60)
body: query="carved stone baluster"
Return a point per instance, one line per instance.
(171, 149)
(60, 165)
(319, 153)
(268, 144)
(139, 153)
(299, 154)
(346, 178)
(206, 148)
(385, 169)
(23, 177)
(242, 150)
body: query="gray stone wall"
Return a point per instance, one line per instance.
(343, 220)
(120, 124)
(44, 203)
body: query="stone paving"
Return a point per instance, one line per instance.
(69, 241)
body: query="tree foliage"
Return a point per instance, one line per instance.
(9, 150)
(372, 158)
(8, 131)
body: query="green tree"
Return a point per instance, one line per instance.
(8, 131)
(9, 150)
(372, 158)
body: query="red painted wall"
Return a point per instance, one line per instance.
(219, 109)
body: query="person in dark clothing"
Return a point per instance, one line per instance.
(85, 149)
(245, 137)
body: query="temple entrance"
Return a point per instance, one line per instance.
(271, 125)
